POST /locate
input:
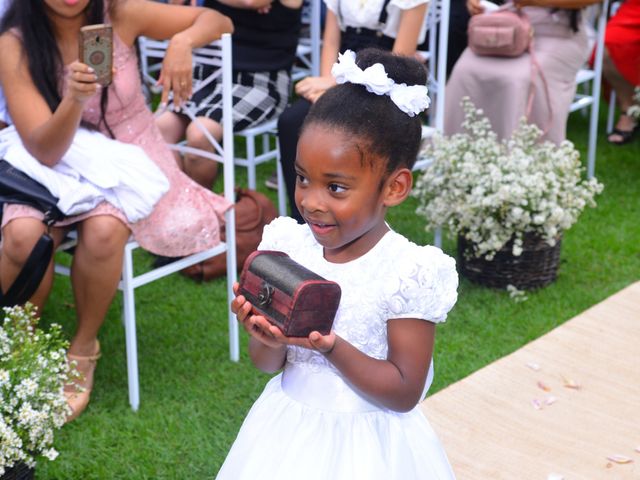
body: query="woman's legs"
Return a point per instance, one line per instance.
(18, 239)
(175, 127)
(624, 97)
(95, 273)
(172, 127)
(289, 125)
(202, 170)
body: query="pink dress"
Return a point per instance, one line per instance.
(187, 218)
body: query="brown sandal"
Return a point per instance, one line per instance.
(78, 390)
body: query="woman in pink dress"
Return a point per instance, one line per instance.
(50, 93)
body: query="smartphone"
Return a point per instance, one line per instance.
(96, 50)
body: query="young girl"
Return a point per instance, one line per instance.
(50, 94)
(393, 25)
(345, 405)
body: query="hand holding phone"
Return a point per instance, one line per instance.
(96, 51)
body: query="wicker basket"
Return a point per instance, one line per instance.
(536, 267)
(19, 471)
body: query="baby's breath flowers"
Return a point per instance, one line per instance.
(493, 191)
(634, 110)
(33, 370)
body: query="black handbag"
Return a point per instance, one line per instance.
(16, 187)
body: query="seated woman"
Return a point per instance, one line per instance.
(500, 85)
(621, 66)
(396, 25)
(264, 48)
(50, 93)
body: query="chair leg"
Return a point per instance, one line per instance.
(437, 238)
(251, 165)
(129, 318)
(282, 190)
(612, 111)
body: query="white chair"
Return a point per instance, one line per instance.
(589, 81)
(151, 54)
(436, 58)
(612, 95)
(308, 51)
(217, 54)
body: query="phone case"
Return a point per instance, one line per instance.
(290, 296)
(96, 50)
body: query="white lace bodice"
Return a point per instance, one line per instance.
(395, 279)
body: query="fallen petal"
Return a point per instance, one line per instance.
(544, 387)
(638, 449)
(550, 400)
(569, 383)
(619, 458)
(555, 476)
(536, 404)
(533, 366)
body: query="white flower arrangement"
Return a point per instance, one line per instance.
(634, 110)
(33, 371)
(494, 191)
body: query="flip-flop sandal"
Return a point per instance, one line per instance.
(625, 135)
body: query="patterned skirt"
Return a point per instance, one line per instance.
(256, 97)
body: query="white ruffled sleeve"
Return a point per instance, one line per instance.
(424, 286)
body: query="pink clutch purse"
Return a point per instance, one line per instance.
(503, 33)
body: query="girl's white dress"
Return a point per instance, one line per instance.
(309, 424)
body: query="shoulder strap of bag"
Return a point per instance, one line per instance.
(535, 69)
(27, 281)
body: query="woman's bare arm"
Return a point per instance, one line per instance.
(411, 23)
(45, 134)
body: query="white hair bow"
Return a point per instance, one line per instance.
(411, 99)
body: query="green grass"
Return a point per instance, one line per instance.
(193, 399)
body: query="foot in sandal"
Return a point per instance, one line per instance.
(625, 130)
(78, 390)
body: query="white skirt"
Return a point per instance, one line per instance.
(314, 427)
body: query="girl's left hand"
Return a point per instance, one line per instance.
(176, 74)
(315, 340)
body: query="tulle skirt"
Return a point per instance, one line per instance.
(316, 438)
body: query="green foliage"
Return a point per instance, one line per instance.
(193, 399)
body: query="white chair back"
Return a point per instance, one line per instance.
(589, 79)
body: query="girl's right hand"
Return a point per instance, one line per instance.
(256, 325)
(81, 82)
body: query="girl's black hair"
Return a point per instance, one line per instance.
(386, 131)
(30, 19)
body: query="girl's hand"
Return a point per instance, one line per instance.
(176, 74)
(315, 340)
(256, 325)
(312, 88)
(81, 82)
